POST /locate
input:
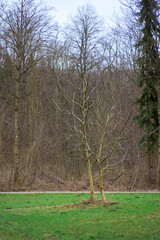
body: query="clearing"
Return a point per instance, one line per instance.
(63, 216)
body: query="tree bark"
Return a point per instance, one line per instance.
(101, 183)
(158, 160)
(1, 126)
(85, 142)
(149, 163)
(16, 138)
(90, 180)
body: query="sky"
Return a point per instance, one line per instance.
(65, 8)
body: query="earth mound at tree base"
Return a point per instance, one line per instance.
(85, 204)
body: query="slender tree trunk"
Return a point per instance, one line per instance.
(90, 180)
(158, 161)
(85, 140)
(16, 138)
(89, 167)
(99, 163)
(1, 125)
(101, 183)
(149, 163)
(158, 164)
(58, 152)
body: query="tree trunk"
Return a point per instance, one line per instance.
(158, 163)
(101, 184)
(158, 160)
(149, 163)
(90, 180)
(58, 148)
(1, 126)
(85, 143)
(16, 138)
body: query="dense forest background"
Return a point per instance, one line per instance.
(67, 95)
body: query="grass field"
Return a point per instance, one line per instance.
(32, 216)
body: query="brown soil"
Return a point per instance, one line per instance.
(85, 204)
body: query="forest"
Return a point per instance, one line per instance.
(79, 105)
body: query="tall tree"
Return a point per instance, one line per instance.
(83, 36)
(148, 75)
(23, 33)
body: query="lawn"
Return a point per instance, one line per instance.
(32, 216)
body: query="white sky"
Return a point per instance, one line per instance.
(64, 8)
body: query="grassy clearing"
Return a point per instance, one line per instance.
(32, 216)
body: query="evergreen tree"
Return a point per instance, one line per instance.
(147, 75)
(149, 80)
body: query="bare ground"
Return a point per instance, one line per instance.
(85, 204)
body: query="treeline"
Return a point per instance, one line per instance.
(67, 100)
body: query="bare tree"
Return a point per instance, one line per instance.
(108, 148)
(83, 35)
(24, 32)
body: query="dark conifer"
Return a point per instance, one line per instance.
(147, 117)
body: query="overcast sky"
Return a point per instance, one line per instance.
(65, 8)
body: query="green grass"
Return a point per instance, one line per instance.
(31, 216)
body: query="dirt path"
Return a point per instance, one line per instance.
(75, 192)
